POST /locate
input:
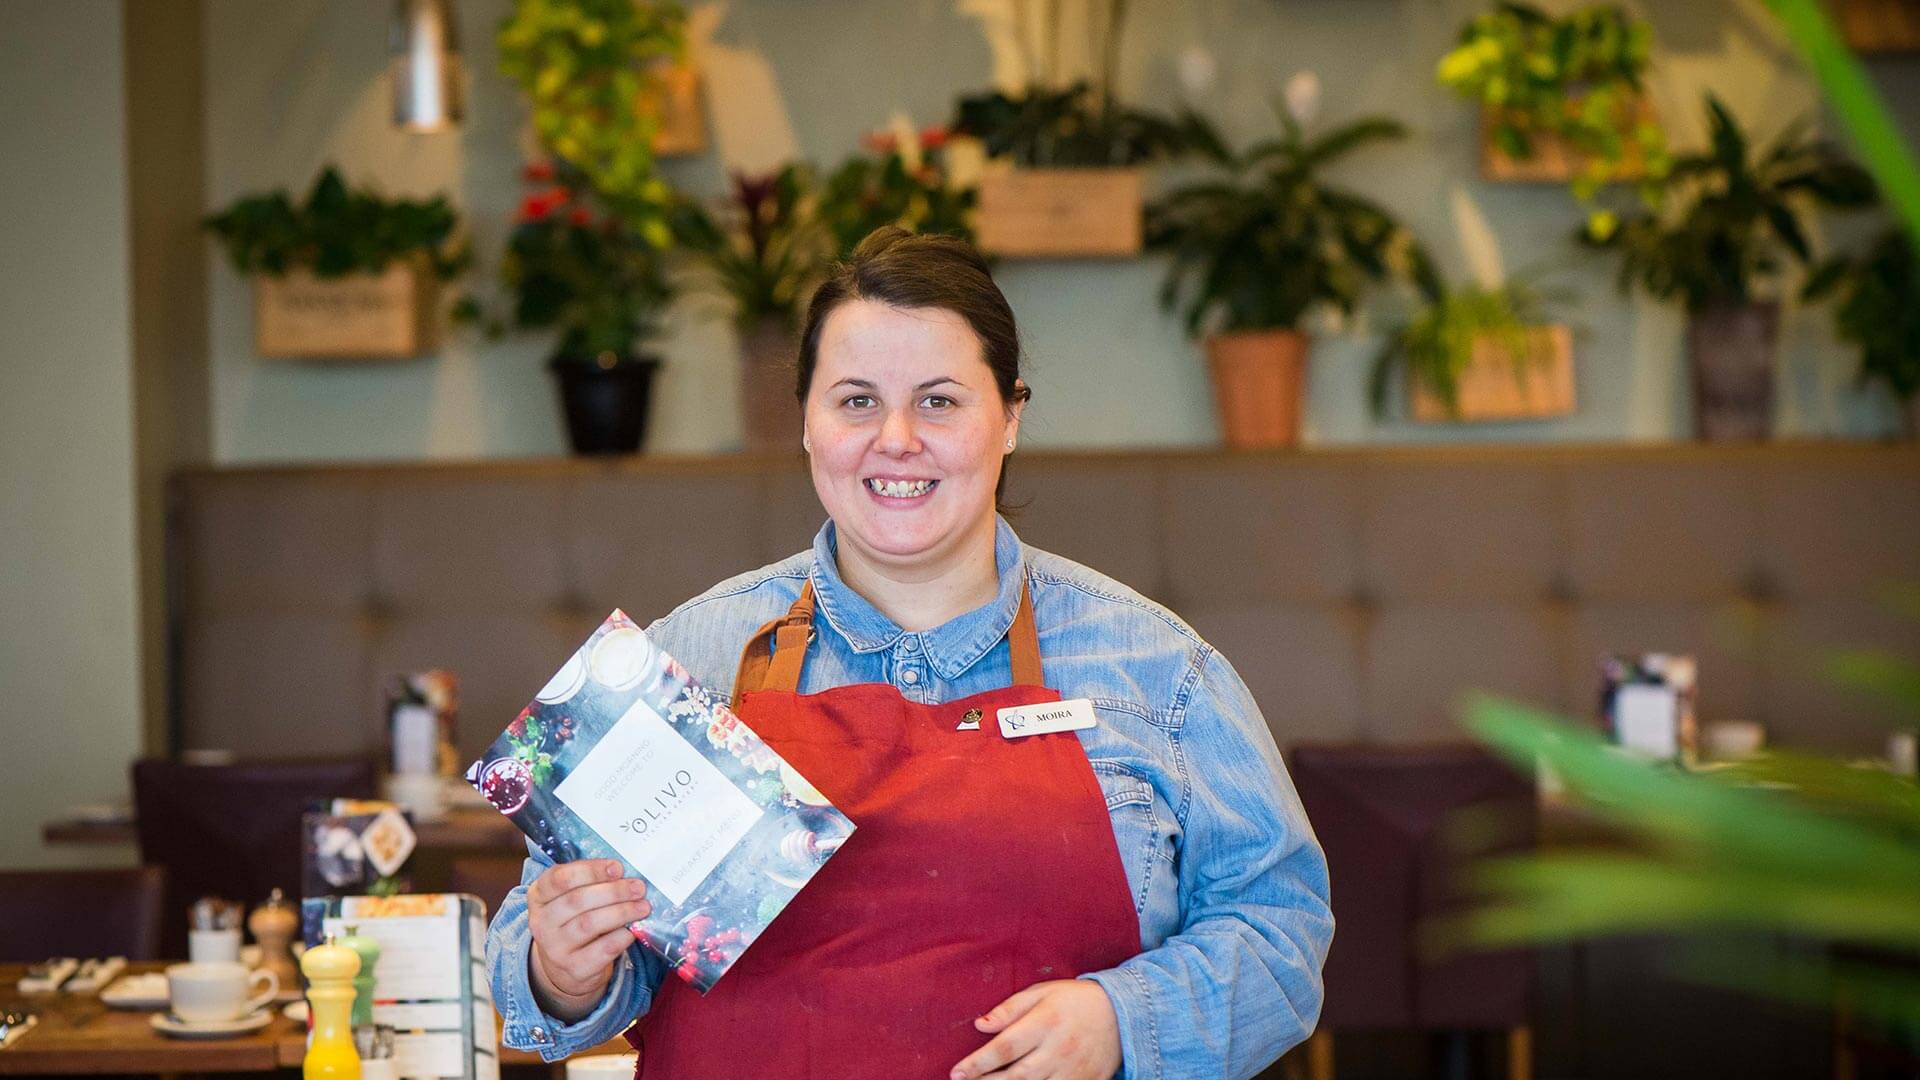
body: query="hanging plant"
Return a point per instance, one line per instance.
(584, 65)
(1569, 89)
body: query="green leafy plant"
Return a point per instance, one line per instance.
(1436, 346)
(338, 231)
(575, 266)
(583, 65)
(1731, 216)
(1068, 128)
(1787, 842)
(1878, 309)
(1262, 245)
(1577, 76)
(764, 244)
(897, 181)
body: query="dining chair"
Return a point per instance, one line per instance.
(1394, 822)
(489, 877)
(81, 913)
(232, 831)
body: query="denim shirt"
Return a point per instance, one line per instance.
(1227, 879)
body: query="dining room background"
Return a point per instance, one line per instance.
(127, 124)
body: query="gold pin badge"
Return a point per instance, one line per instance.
(969, 722)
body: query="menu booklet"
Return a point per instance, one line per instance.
(624, 756)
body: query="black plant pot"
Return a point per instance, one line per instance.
(605, 404)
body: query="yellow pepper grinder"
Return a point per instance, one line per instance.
(330, 969)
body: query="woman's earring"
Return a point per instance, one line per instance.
(1009, 444)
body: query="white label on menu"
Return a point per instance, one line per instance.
(658, 802)
(419, 1016)
(419, 954)
(434, 1053)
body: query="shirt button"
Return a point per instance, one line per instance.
(910, 676)
(539, 1034)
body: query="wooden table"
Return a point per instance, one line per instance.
(78, 1035)
(461, 830)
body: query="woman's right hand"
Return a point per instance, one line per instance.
(578, 913)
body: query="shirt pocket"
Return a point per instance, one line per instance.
(1139, 833)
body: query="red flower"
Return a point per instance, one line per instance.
(935, 137)
(879, 142)
(537, 206)
(580, 218)
(538, 172)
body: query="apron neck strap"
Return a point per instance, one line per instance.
(775, 653)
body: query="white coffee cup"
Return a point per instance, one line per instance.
(214, 946)
(602, 1066)
(209, 993)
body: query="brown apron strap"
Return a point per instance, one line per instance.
(1023, 641)
(773, 656)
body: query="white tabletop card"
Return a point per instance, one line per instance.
(1019, 721)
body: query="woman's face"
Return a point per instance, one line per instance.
(907, 432)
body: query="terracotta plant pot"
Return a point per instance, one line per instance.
(605, 404)
(769, 413)
(1259, 377)
(1730, 351)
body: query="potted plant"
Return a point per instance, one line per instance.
(901, 179)
(1257, 250)
(587, 272)
(346, 274)
(1729, 222)
(1064, 156)
(765, 247)
(588, 68)
(1561, 97)
(1479, 353)
(1879, 311)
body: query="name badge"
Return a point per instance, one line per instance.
(1018, 721)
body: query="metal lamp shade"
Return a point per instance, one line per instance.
(423, 47)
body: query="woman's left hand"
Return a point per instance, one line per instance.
(1060, 1030)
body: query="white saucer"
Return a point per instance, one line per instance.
(297, 1011)
(136, 992)
(169, 1024)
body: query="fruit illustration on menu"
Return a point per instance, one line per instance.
(624, 755)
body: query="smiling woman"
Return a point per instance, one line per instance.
(1078, 853)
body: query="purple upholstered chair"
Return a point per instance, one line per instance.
(1382, 814)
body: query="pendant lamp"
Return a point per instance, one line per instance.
(423, 59)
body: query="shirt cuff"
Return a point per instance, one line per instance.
(525, 1026)
(1133, 1008)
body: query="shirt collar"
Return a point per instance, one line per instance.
(953, 646)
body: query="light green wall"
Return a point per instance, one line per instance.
(69, 645)
(299, 82)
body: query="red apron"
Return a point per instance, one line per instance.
(979, 866)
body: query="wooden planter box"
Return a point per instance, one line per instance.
(386, 316)
(1878, 26)
(1042, 213)
(1490, 388)
(1554, 161)
(673, 96)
